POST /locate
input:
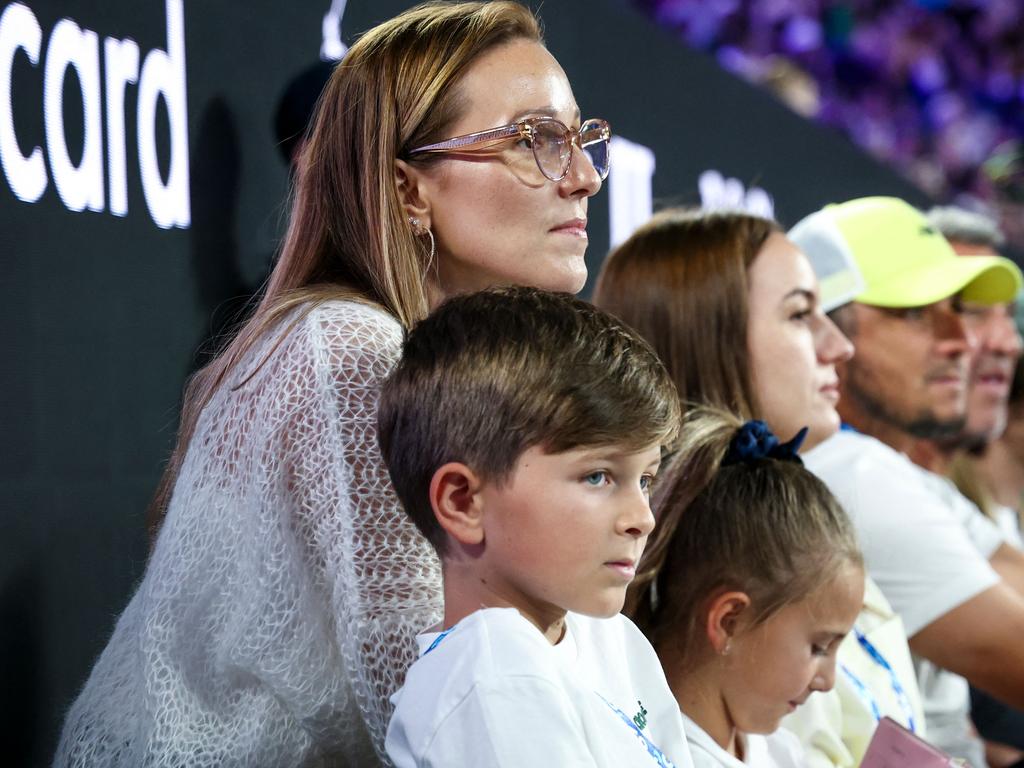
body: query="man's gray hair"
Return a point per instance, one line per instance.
(966, 226)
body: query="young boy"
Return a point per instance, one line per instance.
(522, 431)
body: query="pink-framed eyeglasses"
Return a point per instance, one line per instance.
(550, 140)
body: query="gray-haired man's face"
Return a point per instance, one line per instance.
(992, 364)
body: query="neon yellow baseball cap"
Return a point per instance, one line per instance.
(882, 251)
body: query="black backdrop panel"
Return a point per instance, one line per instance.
(103, 312)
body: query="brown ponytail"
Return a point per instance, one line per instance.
(766, 527)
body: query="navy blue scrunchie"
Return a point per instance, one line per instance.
(754, 440)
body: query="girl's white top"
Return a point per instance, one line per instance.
(780, 749)
(279, 608)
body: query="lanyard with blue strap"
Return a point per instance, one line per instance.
(880, 660)
(894, 681)
(862, 691)
(438, 639)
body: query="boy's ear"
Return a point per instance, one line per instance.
(412, 192)
(455, 498)
(725, 614)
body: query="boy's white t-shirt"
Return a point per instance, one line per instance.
(780, 749)
(492, 691)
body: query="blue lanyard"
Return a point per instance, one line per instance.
(897, 687)
(438, 639)
(862, 691)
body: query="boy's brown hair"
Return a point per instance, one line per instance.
(489, 375)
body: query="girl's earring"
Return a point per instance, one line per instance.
(727, 647)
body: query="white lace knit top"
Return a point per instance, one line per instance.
(279, 608)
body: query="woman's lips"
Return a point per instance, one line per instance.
(625, 568)
(573, 227)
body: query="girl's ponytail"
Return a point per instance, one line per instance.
(736, 509)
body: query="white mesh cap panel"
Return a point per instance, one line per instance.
(839, 279)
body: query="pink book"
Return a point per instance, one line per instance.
(893, 746)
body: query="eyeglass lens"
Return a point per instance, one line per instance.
(553, 149)
(594, 139)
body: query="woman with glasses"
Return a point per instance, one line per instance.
(285, 586)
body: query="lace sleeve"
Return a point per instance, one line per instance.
(382, 576)
(278, 609)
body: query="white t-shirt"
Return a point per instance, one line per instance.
(492, 691)
(1009, 523)
(776, 750)
(927, 548)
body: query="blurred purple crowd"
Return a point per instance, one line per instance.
(934, 88)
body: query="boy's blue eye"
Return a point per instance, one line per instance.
(646, 481)
(596, 478)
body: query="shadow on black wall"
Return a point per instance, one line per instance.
(20, 675)
(222, 292)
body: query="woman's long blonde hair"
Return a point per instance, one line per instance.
(348, 237)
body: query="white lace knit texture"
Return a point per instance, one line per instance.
(278, 611)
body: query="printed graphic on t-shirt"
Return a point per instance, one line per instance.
(652, 749)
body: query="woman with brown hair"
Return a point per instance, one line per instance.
(734, 310)
(285, 585)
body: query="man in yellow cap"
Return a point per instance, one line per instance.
(944, 568)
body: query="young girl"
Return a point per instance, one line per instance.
(752, 580)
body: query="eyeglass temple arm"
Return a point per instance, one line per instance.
(603, 131)
(491, 136)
